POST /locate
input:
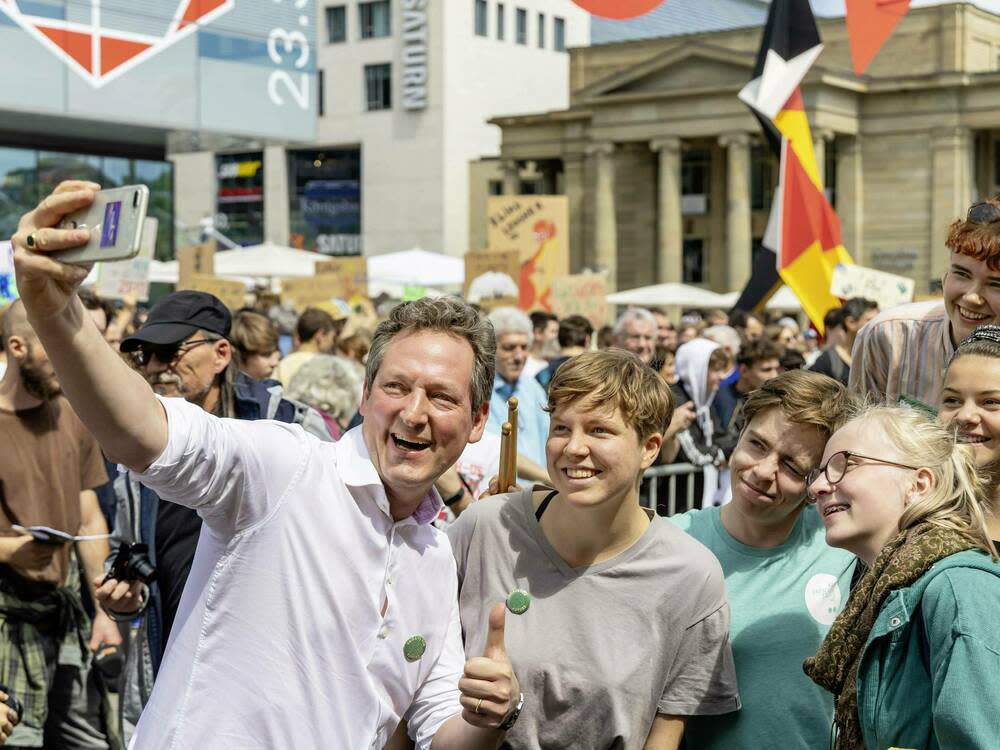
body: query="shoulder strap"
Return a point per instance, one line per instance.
(545, 504)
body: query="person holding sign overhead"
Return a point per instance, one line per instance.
(321, 606)
(617, 622)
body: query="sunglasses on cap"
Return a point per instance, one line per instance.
(983, 213)
(167, 353)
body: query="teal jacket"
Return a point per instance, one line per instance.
(928, 675)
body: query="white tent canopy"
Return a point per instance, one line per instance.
(659, 295)
(416, 267)
(783, 299)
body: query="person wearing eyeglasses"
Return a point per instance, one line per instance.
(901, 355)
(183, 350)
(785, 585)
(912, 659)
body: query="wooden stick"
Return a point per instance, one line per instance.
(503, 478)
(508, 460)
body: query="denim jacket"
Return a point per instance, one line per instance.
(135, 521)
(928, 673)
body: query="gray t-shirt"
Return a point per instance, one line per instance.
(602, 649)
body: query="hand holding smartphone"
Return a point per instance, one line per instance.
(115, 220)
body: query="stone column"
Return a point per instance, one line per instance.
(605, 223)
(670, 229)
(739, 233)
(820, 139)
(850, 196)
(574, 176)
(953, 186)
(277, 222)
(511, 177)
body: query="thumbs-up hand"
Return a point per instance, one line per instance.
(490, 690)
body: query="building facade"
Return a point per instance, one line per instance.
(668, 178)
(406, 90)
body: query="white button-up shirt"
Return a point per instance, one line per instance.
(280, 640)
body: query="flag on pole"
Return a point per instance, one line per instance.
(803, 232)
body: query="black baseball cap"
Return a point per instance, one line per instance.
(177, 316)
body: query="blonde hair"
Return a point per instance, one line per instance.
(959, 496)
(619, 379)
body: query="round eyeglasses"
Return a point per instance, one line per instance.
(836, 468)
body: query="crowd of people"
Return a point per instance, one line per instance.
(273, 528)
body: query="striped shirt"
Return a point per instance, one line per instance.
(904, 352)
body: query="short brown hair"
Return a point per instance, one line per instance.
(253, 333)
(313, 321)
(804, 397)
(617, 378)
(760, 350)
(978, 241)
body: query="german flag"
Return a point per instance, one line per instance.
(803, 231)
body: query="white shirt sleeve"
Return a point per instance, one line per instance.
(436, 700)
(232, 472)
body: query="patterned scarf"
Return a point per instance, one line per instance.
(835, 667)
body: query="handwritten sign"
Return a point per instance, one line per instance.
(354, 271)
(8, 286)
(195, 259)
(232, 293)
(887, 289)
(537, 226)
(582, 294)
(479, 262)
(320, 288)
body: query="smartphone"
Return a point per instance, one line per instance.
(115, 221)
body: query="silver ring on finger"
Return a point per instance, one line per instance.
(478, 705)
(30, 240)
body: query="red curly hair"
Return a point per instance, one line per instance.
(978, 241)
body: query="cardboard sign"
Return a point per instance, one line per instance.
(232, 293)
(125, 278)
(354, 270)
(537, 226)
(195, 259)
(887, 289)
(582, 294)
(8, 286)
(321, 288)
(479, 262)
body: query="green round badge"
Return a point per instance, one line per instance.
(414, 648)
(518, 601)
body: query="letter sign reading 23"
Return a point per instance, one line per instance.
(284, 46)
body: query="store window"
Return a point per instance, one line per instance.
(694, 261)
(378, 87)
(240, 197)
(559, 34)
(336, 24)
(325, 206)
(482, 9)
(27, 176)
(375, 19)
(696, 171)
(522, 26)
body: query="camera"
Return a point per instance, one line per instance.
(13, 702)
(132, 564)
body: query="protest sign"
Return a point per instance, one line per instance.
(582, 294)
(354, 271)
(320, 288)
(887, 289)
(125, 278)
(480, 262)
(537, 226)
(195, 259)
(8, 287)
(232, 293)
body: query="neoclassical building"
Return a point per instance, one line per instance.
(668, 178)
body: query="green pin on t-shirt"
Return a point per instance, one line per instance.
(518, 601)
(414, 648)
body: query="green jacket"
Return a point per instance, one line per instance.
(929, 671)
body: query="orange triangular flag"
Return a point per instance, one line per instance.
(869, 24)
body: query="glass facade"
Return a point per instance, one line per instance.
(28, 175)
(240, 197)
(325, 200)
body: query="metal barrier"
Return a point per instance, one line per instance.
(674, 473)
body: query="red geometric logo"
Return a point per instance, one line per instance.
(618, 9)
(97, 50)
